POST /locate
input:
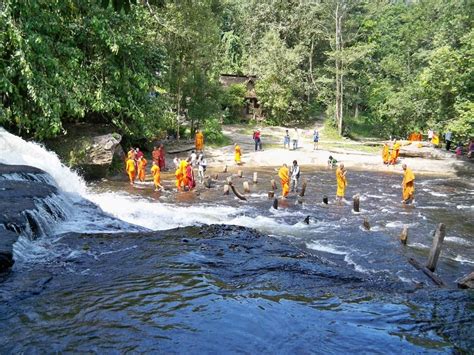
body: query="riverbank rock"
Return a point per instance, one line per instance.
(90, 149)
(466, 281)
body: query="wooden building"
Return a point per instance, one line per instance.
(251, 108)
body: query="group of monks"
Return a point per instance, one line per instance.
(136, 168)
(136, 164)
(390, 157)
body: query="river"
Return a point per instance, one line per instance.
(129, 269)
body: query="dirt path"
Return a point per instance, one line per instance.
(273, 153)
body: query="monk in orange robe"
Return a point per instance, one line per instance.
(408, 185)
(284, 175)
(142, 163)
(156, 173)
(237, 154)
(199, 141)
(130, 169)
(385, 153)
(156, 155)
(183, 164)
(395, 153)
(341, 182)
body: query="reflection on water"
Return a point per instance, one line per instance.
(327, 286)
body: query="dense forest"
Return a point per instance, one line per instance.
(150, 67)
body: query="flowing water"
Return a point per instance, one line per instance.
(129, 269)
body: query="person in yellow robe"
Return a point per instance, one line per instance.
(341, 182)
(156, 173)
(183, 164)
(408, 185)
(284, 175)
(395, 153)
(237, 153)
(130, 169)
(385, 153)
(199, 141)
(142, 163)
(179, 178)
(435, 139)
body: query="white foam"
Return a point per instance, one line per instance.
(458, 240)
(16, 151)
(326, 247)
(462, 207)
(463, 260)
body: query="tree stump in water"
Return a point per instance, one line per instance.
(274, 185)
(366, 223)
(225, 169)
(255, 179)
(275, 203)
(303, 188)
(226, 189)
(356, 199)
(404, 235)
(271, 194)
(306, 220)
(240, 173)
(246, 187)
(325, 200)
(436, 247)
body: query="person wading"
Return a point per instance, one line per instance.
(284, 175)
(408, 185)
(341, 182)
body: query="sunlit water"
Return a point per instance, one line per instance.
(127, 280)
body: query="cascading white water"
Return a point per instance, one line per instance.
(16, 151)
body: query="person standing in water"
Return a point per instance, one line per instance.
(155, 172)
(385, 154)
(202, 165)
(408, 185)
(295, 176)
(284, 175)
(341, 182)
(130, 169)
(237, 154)
(142, 163)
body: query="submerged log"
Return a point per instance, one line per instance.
(237, 193)
(246, 187)
(436, 247)
(303, 188)
(466, 281)
(435, 278)
(306, 220)
(255, 178)
(226, 189)
(325, 200)
(275, 203)
(271, 194)
(356, 199)
(404, 235)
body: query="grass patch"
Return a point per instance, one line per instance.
(222, 142)
(361, 127)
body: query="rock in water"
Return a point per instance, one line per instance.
(92, 149)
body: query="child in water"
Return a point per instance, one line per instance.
(332, 162)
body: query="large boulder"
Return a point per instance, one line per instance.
(89, 148)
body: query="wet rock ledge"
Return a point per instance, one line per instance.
(20, 189)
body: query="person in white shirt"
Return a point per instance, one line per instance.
(193, 158)
(296, 138)
(295, 176)
(202, 164)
